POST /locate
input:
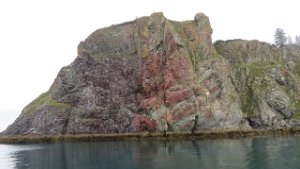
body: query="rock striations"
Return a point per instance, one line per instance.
(154, 74)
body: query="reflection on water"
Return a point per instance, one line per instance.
(251, 153)
(7, 153)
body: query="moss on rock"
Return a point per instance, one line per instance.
(43, 100)
(296, 114)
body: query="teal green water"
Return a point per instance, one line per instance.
(250, 153)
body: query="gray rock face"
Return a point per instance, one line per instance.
(280, 102)
(268, 86)
(156, 75)
(104, 91)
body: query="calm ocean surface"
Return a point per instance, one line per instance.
(249, 153)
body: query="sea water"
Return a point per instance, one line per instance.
(247, 153)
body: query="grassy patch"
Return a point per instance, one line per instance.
(196, 55)
(44, 99)
(296, 115)
(297, 69)
(249, 102)
(262, 86)
(259, 68)
(37, 102)
(215, 54)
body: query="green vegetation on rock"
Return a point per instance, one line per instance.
(297, 68)
(43, 100)
(259, 69)
(249, 102)
(195, 56)
(296, 114)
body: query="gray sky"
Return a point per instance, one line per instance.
(38, 37)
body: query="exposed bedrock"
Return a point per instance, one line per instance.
(154, 74)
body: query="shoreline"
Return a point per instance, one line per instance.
(200, 135)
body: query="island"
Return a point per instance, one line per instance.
(162, 77)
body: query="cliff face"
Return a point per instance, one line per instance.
(154, 74)
(267, 80)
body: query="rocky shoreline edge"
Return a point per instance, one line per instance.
(215, 134)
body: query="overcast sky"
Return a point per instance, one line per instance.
(38, 37)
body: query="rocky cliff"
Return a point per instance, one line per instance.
(154, 74)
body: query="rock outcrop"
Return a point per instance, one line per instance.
(267, 80)
(154, 74)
